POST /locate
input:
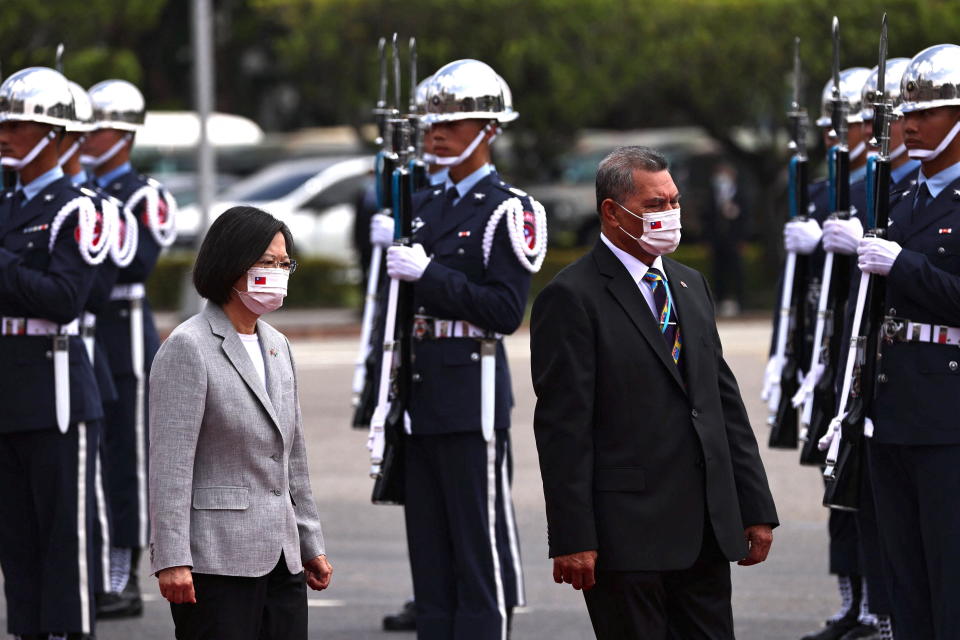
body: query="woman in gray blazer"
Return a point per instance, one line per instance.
(236, 535)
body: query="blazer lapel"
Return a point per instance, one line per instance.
(272, 360)
(627, 294)
(941, 206)
(239, 358)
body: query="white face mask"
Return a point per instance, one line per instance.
(19, 163)
(266, 289)
(926, 155)
(661, 231)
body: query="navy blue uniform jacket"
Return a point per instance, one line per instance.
(919, 402)
(113, 323)
(456, 286)
(38, 283)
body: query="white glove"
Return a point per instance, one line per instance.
(877, 256)
(407, 263)
(771, 379)
(802, 236)
(842, 236)
(381, 230)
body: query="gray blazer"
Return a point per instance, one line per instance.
(229, 488)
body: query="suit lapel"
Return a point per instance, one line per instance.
(239, 358)
(627, 294)
(941, 206)
(35, 208)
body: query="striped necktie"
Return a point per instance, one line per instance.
(667, 321)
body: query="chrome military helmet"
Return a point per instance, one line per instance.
(851, 82)
(117, 104)
(36, 94)
(82, 107)
(468, 89)
(420, 96)
(932, 79)
(894, 71)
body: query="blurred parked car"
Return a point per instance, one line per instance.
(316, 197)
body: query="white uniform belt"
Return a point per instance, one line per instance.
(132, 291)
(37, 327)
(430, 328)
(903, 330)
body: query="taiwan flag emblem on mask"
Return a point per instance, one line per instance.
(260, 280)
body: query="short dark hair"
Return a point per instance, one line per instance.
(615, 173)
(235, 241)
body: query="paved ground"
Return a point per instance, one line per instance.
(779, 599)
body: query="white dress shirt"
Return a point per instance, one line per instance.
(637, 270)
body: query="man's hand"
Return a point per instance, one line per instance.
(318, 572)
(576, 569)
(176, 585)
(759, 537)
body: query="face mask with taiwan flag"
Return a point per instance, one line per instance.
(266, 289)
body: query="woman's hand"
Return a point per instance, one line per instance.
(176, 585)
(318, 572)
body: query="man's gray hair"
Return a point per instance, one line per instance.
(615, 173)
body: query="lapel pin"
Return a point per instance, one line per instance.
(683, 284)
(273, 352)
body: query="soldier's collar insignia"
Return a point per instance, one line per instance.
(437, 192)
(956, 194)
(417, 223)
(47, 197)
(479, 197)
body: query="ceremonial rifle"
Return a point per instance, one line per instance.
(367, 364)
(387, 426)
(419, 177)
(818, 394)
(789, 346)
(844, 460)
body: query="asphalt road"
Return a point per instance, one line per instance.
(783, 598)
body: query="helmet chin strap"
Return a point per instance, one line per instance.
(72, 150)
(926, 155)
(857, 151)
(96, 161)
(452, 161)
(19, 163)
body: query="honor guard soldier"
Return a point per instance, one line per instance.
(804, 238)
(914, 454)
(51, 239)
(120, 254)
(478, 240)
(126, 328)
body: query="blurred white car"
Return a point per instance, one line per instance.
(316, 197)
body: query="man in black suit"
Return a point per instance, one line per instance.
(651, 473)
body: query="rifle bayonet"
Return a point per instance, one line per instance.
(839, 115)
(58, 60)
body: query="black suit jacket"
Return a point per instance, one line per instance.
(632, 454)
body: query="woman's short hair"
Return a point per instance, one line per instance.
(235, 241)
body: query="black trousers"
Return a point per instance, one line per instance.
(461, 534)
(915, 489)
(45, 528)
(688, 604)
(271, 607)
(125, 464)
